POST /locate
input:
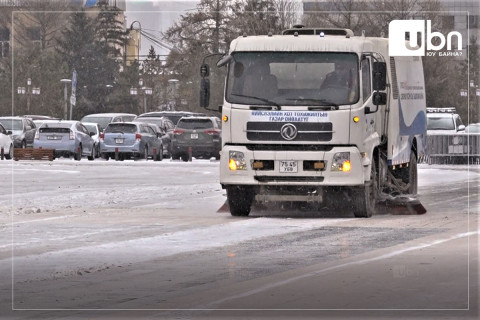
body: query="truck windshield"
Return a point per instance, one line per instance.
(293, 78)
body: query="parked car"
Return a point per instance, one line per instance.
(68, 138)
(6, 143)
(103, 119)
(473, 128)
(174, 116)
(166, 126)
(131, 140)
(94, 129)
(23, 130)
(201, 134)
(443, 121)
(39, 117)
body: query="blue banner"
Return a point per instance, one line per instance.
(90, 3)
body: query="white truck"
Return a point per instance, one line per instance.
(319, 115)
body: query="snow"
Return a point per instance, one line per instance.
(184, 187)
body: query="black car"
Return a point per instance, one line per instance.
(22, 129)
(200, 135)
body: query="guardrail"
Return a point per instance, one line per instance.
(459, 148)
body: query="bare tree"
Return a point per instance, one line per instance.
(338, 14)
(288, 12)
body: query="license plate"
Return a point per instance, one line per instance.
(53, 138)
(194, 136)
(118, 140)
(288, 166)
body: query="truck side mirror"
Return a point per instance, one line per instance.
(379, 76)
(204, 92)
(379, 98)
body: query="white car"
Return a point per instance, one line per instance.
(443, 121)
(6, 143)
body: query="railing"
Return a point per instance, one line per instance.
(459, 148)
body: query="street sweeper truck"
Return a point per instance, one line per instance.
(319, 115)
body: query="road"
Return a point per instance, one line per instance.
(149, 240)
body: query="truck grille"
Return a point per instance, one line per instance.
(307, 131)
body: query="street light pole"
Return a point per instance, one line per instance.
(146, 91)
(28, 91)
(65, 110)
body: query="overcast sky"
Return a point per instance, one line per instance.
(156, 16)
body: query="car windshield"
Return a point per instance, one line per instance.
(195, 124)
(91, 128)
(121, 127)
(440, 123)
(12, 124)
(102, 121)
(293, 79)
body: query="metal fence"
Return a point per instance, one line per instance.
(459, 148)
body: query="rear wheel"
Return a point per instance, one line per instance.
(365, 198)
(240, 200)
(409, 175)
(184, 157)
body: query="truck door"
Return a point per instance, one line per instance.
(365, 67)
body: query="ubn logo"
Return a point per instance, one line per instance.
(399, 30)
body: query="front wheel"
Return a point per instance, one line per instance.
(240, 201)
(409, 175)
(364, 199)
(9, 155)
(92, 156)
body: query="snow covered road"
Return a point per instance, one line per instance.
(148, 235)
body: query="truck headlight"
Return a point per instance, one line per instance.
(341, 162)
(236, 161)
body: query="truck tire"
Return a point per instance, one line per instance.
(364, 199)
(409, 175)
(240, 201)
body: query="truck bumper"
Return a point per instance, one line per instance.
(304, 175)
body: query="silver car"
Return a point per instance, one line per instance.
(6, 143)
(130, 140)
(103, 119)
(96, 130)
(68, 138)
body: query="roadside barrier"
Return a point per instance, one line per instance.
(459, 148)
(33, 154)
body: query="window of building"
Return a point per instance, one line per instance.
(4, 42)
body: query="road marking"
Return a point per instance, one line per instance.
(315, 273)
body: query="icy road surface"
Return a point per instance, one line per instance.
(154, 236)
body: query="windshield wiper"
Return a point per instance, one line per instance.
(326, 105)
(272, 103)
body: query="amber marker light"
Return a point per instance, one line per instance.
(232, 164)
(225, 118)
(356, 119)
(346, 166)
